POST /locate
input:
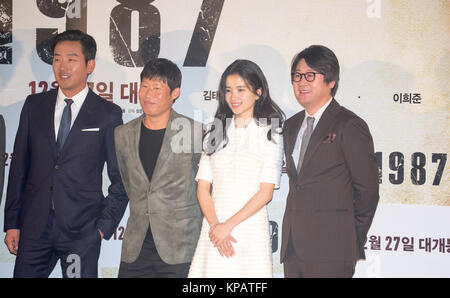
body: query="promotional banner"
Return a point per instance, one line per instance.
(395, 65)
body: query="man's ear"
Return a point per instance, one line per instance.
(90, 66)
(175, 93)
(331, 84)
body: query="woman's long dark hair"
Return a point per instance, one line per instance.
(264, 111)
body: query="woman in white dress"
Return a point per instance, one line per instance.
(242, 159)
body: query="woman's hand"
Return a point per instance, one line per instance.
(220, 236)
(226, 248)
(219, 232)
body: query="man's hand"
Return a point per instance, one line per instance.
(101, 234)
(12, 240)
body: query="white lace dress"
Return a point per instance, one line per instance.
(236, 172)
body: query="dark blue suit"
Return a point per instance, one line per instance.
(71, 180)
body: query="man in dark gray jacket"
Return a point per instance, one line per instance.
(158, 164)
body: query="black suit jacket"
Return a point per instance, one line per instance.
(2, 154)
(73, 179)
(332, 201)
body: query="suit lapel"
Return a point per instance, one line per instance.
(135, 136)
(322, 129)
(292, 138)
(48, 114)
(85, 118)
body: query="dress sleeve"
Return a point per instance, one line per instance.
(204, 169)
(272, 160)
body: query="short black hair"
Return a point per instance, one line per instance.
(88, 44)
(163, 69)
(321, 59)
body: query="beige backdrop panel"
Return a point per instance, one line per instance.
(385, 48)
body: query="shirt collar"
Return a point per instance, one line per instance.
(319, 113)
(78, 99)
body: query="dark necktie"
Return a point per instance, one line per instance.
(64, 126)
(305, 140)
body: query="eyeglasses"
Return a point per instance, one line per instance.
(309, 76)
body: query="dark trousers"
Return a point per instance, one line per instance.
(150, 265)
(294, 267)
(38, 258)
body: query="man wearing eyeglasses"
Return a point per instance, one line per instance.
(333, 175)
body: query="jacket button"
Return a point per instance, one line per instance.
(297, 187)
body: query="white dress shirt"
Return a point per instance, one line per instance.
(298, 142)
(78, 101)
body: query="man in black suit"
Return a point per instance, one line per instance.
(55, 208)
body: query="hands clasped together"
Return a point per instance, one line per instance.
(220, 236)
